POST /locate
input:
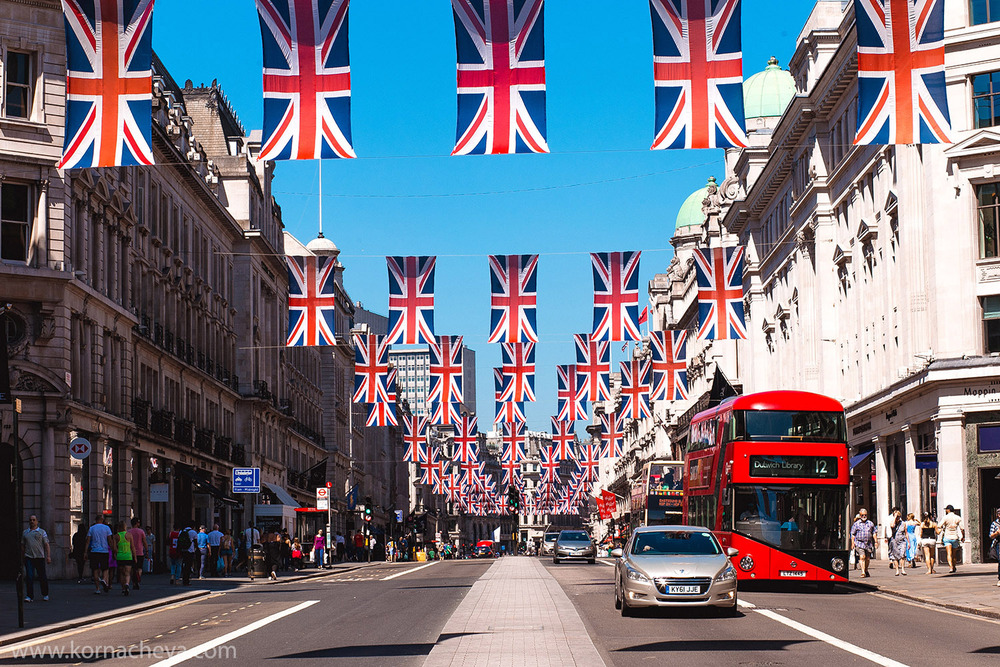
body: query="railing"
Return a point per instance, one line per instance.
(168, 340)
(140, 413)
(204, 439)
(223, 446)
(162, 422)
(184, 431)
(239, 455)
(308, 432)
(158, 334)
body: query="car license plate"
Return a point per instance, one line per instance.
(683, 590)
(793, 573)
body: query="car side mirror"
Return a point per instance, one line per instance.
(732, 553)
(617, 553)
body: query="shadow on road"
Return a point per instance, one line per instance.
(716, 645)
(371, 650)
(797, 587)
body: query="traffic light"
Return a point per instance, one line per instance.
(514, 499)
(368, 508)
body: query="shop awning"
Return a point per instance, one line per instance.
(205, 485)
(861, 456)
(284, 497)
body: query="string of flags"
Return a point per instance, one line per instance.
(513, 324)
(500, 81)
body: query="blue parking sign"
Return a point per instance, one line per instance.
(246, 480)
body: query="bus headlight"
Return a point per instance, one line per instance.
(746, 563)
(837, 564)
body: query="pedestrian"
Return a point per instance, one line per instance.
(79, 551)
(928, 540)
(150, 550)
(319, 547)
(187, 544)
(98, 548)
(912, 544)
(359, 546)
(286, 550)
(863, 540)
(953, 533)
(995, 545)
(36, 553)
(202, 550)
(296, 554)
(226, 551)
(897, 540)
(124, 551)
(341, 547)
(174, 556)
(140, 545)
(272, 555)
(214, 547)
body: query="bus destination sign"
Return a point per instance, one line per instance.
(809, 467)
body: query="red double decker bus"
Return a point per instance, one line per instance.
(768, 473)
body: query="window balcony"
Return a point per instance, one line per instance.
(184, 432)
(162, 423)
(223, 448)
(239, 455)
(204, 440)
(140, 413)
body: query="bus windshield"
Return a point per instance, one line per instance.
(665, 493)
(792, 517)
(785, 425)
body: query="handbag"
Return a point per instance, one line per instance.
(853, 558)
(220, 564)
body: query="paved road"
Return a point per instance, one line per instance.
(393, 614)
(785, 626)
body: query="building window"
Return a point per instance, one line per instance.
(984, 11)
(986, 99)
(17, 85)
(989, 219)
(991, 323)
(15, 221)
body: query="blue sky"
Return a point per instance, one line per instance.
(600, 189)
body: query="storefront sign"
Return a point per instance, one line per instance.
(159, 493)
(79, 448)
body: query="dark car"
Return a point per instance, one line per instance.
(574, 545)
(483, 552)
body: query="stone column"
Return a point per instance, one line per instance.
(38, 244)
(953, 487)
(879, 512)
(912, 474)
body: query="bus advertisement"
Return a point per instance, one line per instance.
(658, 497)
(769, 473)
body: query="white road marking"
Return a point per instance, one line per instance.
(823, 637)
(228, 637)
(604, 562)
(400, 574)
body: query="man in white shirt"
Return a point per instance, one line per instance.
(953, 532)
(35, 546)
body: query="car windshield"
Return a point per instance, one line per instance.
(574, 537)
(679, 542)
(792, 517)
(551, 537)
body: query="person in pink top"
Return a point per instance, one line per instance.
(138, 537)
(319, 549)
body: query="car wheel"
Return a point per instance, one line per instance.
(555, 561)
(592, 561)
(618, 599)
(627, 611)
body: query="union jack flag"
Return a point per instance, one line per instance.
(383, 414)
(307, 79)
(445, 368)
(501, 76)
(109, 83)
(589, 462)
(563, 437)
(439, 475)
(513, 283)
(465, 439)
(720, 293)
(411, 300)
(550, 464)
(511, 469)
(512, 438)
(635, 389)
(471, 471)
(518, 372)
(669, 365)
(616, 296)
(371, 369)
(430, 466)
(569, 396)
(593, 367)
(698, 67)
(415, 439)
(507, 411)
(612, 436)
(901, 82)
(312, 301)
(445, 413)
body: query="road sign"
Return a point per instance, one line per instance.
(79, 448)
(246, 480)
(322, 503)
(399, 516)
(322, 493)
(360, 508)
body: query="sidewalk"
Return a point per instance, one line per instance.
(515, 614)
(72, 605)
(972, 589)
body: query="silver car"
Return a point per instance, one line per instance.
(574, 545)
(548, 543)
(674, 566)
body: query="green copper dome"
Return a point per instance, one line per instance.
(767, 94)
(690, 214)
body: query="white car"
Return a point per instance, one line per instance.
(674, 566)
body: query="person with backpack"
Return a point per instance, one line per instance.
(186, 542)
(174, 554)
